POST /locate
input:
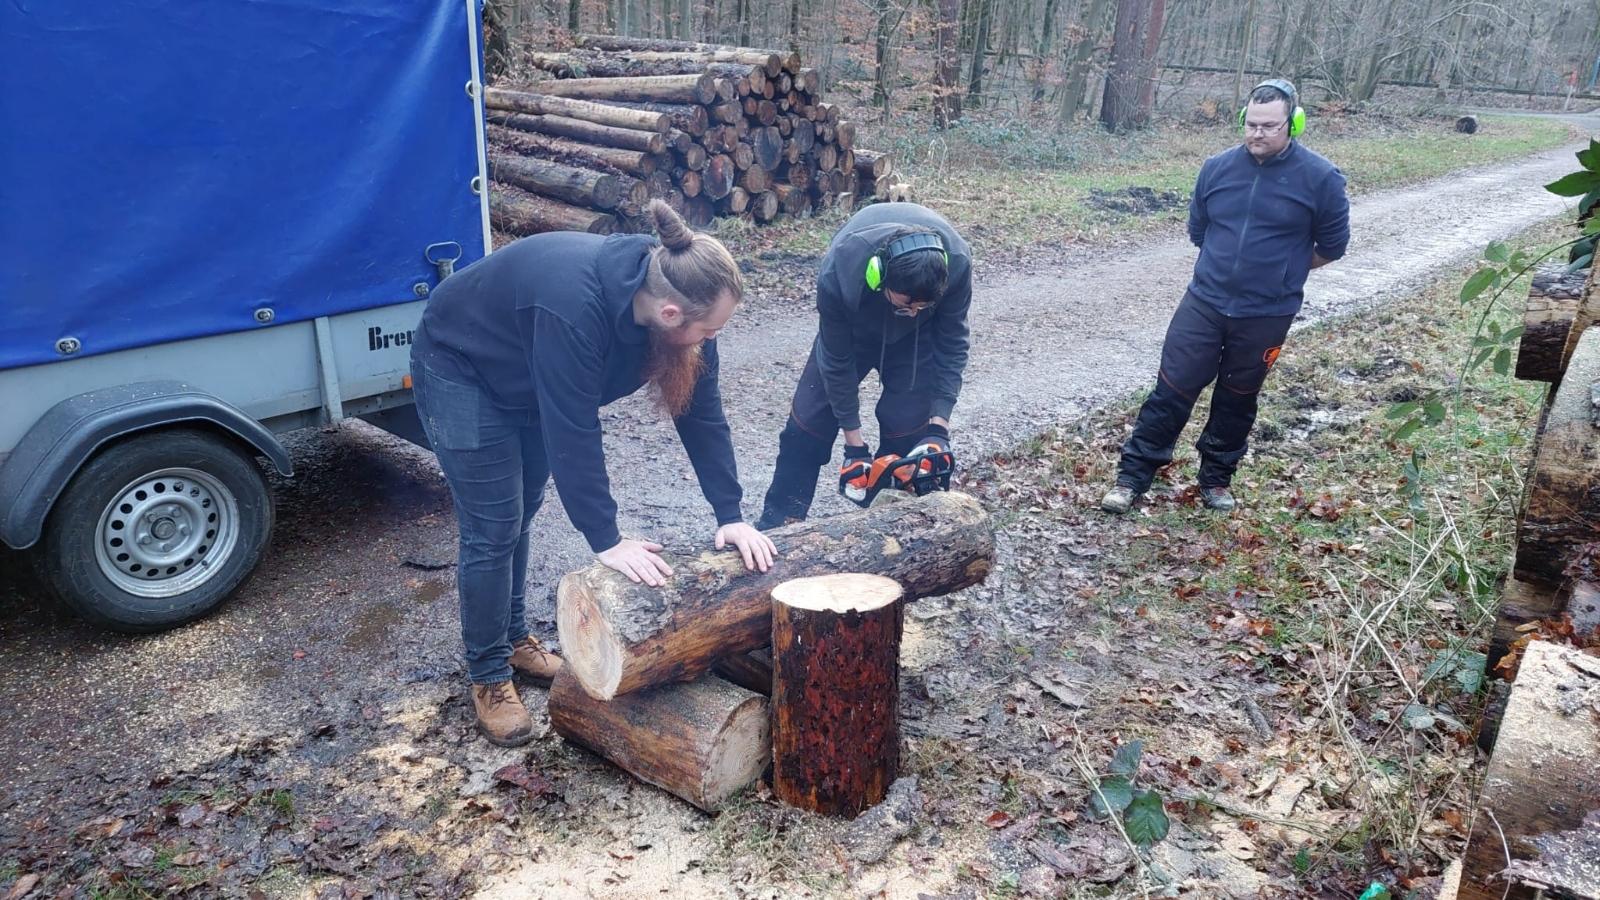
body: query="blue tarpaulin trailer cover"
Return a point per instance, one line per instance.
(168, 168)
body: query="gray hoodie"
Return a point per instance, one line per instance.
(857, 324)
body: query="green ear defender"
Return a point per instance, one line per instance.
(1297, 115)
(910, 243)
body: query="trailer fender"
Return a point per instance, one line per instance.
(52, 451)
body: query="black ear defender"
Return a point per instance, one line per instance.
(904, 245)
(1297, 116)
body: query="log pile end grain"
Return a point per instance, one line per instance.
(711, 129)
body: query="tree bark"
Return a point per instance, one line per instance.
(947, 66)
(641, 117)
(835, 691)
(719, 175)
(534, 215)
(1562, 513)
(580, 187)
(1132, 64)
(1521, 602)
(1560, 308)
(873, 164)
(751, 671)
(774, 61)
(768, 144)
(620, 637)
(703, 741)
(980, 48)
(587, 132)
(630, 162)
(1079, 59)
(691, 118)
(701, 88)
(1541, 778)
(597, 64)
(764, 206)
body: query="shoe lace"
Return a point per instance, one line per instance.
(498, 694)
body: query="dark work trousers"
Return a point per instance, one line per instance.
(494, 461)
(806, 443)
(1203, 346)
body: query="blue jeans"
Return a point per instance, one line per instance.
(494, 461)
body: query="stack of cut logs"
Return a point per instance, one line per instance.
(712, 130)
(699, 686)
(1536, 831)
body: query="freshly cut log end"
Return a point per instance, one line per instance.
(835, 691)
(703, 741)
(620, 637)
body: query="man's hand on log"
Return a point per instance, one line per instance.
(756, 548)
(638, 560)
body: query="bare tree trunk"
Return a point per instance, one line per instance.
(947, 66)
(980, 47)
(882, 55)
(574, 15)
(794, 25)
(1123, 104)
(1042, 48)
(497, 39)
(1080, 58)
(1246, 34)
(1150, 68)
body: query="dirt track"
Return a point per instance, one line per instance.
(350, 623)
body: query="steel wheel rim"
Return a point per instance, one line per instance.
(167, 533)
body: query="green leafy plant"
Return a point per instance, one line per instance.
(1142, 812)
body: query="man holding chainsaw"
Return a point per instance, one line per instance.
(892, 295)
(1264, 214)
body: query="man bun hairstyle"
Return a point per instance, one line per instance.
(692, 268)
(920, 274)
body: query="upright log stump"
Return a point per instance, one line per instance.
(1562, 513)
(835, 691)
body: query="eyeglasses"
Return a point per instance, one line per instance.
(1265, 130)
(910, 310)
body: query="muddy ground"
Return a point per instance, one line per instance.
(314, 737)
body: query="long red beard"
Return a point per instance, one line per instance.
(672, 370)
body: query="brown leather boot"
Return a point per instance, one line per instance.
(529, 657)
(501, 716)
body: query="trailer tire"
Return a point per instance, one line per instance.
(156, 530)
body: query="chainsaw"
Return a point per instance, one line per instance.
(918, 473)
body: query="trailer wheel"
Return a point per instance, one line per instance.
(156, 530)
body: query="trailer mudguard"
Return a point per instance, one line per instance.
(38, 469)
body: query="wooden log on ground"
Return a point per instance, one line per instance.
(737, 202)
(698, 211)
(648, 48)
(603, 64)
(755, 179)
(751, 671)
(835, 691)
(827, 156)
(689, 117)
(619, 636)
(680, 141)
(847, 164)
(764, 207)
(630, 162)
(659, 183)
(810, 80)
(688, 181)
(727, 113)
(766, 112)
(768, 144)
(535, 215)
(703, 741)
(1560, 308)
(1562, 512)
(744, 156)
(586, 132)
(598, 113)
(1542, 782)
(726, 92)
(699, 88)
(719, 176)
(1521, 602)
(844, 134)
(806, 136)
(801, 174)
(1467, 125)
(694, 158)
(579, 187)
(873, 164)
(791, 199)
